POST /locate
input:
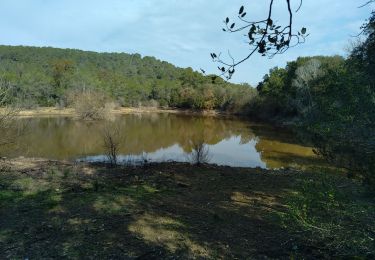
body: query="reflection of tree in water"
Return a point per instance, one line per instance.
(62, 138)
(277, 154)
(280, 148)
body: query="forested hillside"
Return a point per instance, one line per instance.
(47, 76)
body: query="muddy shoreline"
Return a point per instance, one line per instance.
(70, 112)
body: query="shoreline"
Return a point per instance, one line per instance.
(70, 112)
(23, 161)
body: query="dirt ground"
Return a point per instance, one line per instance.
(53, 209)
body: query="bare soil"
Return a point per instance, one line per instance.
(54, 209)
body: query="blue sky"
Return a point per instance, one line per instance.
(179, 31)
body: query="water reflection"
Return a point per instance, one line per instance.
(162, 137)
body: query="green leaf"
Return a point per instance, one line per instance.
(241, 10)
(303, 31)
(253, 28)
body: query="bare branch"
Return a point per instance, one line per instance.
(300, 5)
(112, 138)
(264, 37)
(367, 3)
(201, 153)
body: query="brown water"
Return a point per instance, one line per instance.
(162, 137)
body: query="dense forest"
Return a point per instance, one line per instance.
(47, 76)
(330, 101)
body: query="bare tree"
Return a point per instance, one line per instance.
(200, 153)
(264, 36)
(304, 76)
(112, 138)
(89, 104)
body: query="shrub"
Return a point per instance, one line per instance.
(89, 104)
(112, 137)
(200, 153)
(9, 128)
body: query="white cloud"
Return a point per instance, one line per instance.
(179, 31)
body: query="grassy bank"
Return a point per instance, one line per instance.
(51, 209)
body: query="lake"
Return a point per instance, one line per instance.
(160, 137)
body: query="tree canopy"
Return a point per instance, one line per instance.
(45, 76)
(331, 101)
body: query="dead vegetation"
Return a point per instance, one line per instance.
(112, 139)
(90, 104)
(200, 153)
